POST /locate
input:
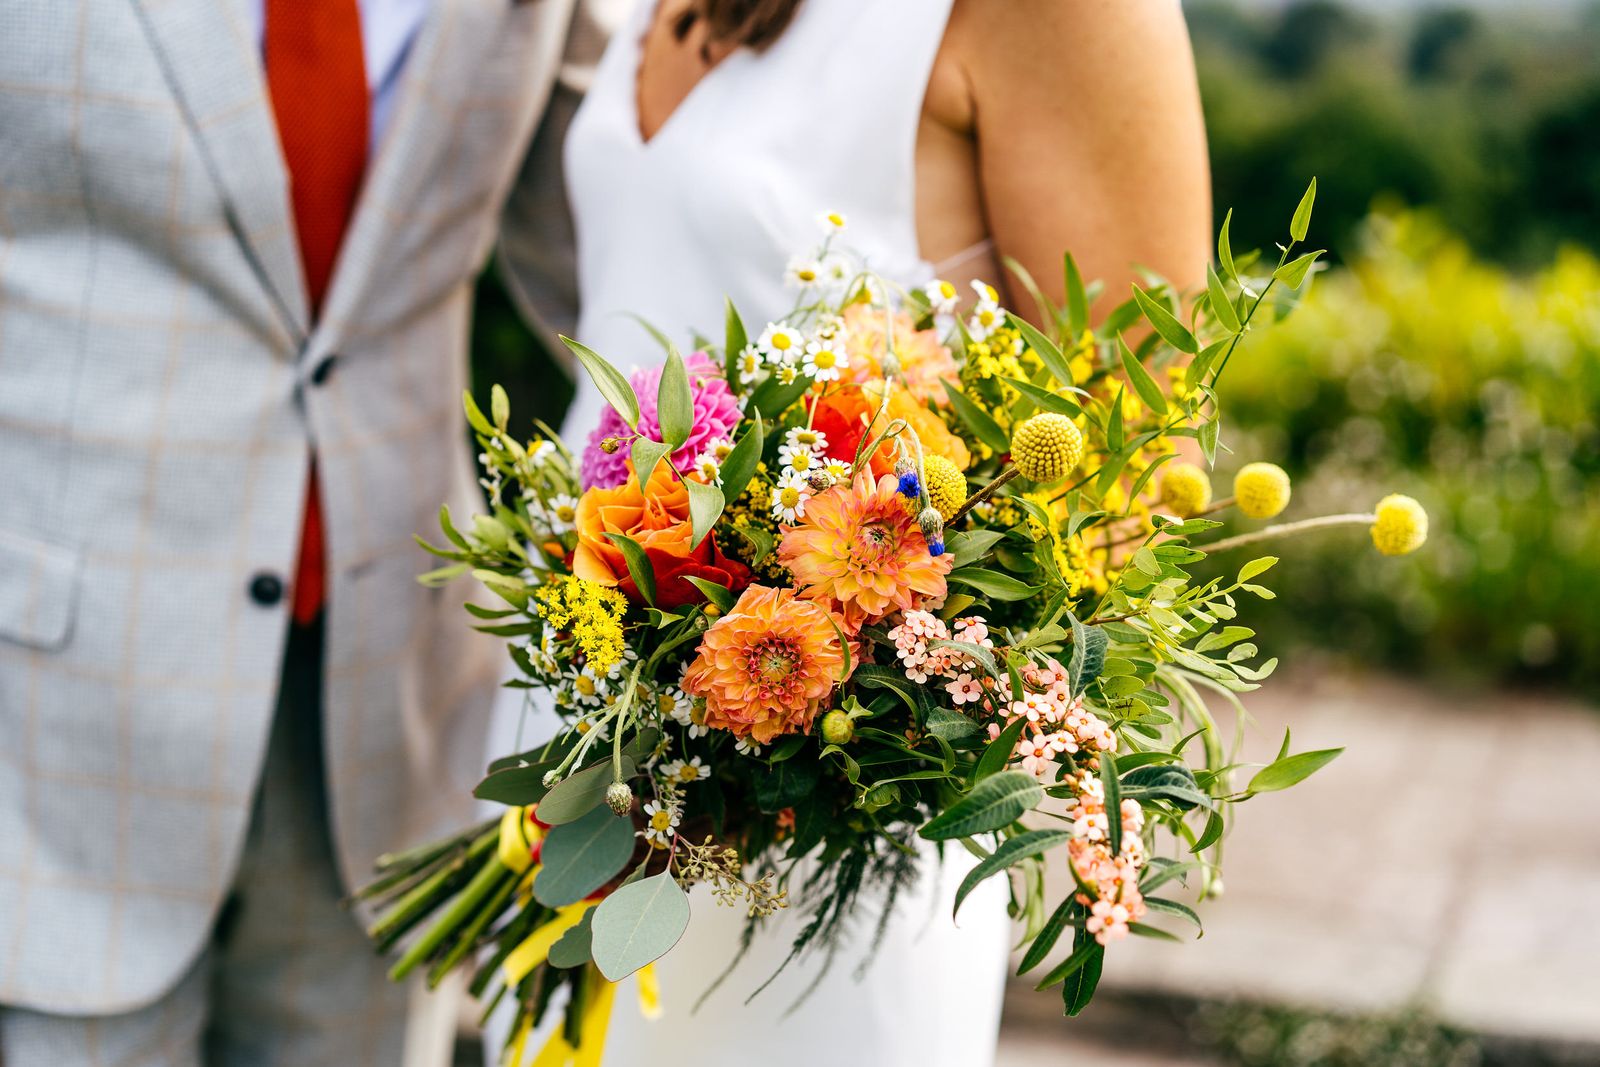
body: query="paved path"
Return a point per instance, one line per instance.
(1449, 860)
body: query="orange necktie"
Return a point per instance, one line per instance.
(317, 77)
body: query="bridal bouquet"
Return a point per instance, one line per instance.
(897, 569)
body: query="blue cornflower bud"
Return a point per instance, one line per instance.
(910, 485)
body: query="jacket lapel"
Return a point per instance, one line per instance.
(214, 69)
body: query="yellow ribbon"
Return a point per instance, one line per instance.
(533, 951)
(592, 1034)
(517, 834)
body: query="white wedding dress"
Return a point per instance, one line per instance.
(713, 206)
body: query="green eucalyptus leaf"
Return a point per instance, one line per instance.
(612, 385)
(580, 793)
(579, 857)
(575, 947)
(638, 924)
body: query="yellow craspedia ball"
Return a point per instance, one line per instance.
(1261, 490)
(1046, 446)
(1401, 525)
(947, 486)
(1185, 490)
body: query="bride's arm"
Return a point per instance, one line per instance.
(1089, 137)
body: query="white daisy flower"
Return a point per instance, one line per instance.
(720, 449)
(786, 373)
(941, 296)
(832, 222)
(797, 458)
(561, 513)
(803, 271)
(789, 497)
(780, 343)
(587, 690)
(830, 327)
(685, 771)
(707, 467)
(805, 437)
(661, 822)
(987, 294)
(747, 747)
(986, 318)
(837, 469)
(749, 364)
(824, 360)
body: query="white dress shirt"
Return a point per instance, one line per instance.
(387, 29)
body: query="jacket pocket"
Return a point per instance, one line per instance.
(38, 591)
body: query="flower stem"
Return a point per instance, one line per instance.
(982, 494)
(1285, 529)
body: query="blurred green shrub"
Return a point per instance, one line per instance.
(1484, 388)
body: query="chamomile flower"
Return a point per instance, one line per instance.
(987, 294)
(720, 448)
(685, 771)
(541, 453)
(561, 513)
(824, 360)
(941, 296)
(661, 821)
(832, 222)
(781, 343)
(789, 497)
(747, 747)
(786, 373)
(585, 726)
(829, 328)
(837, 470)
(585, 689)
(986, 318)
(749, 364)
(802, 448)
(803, 271)
(707, 467)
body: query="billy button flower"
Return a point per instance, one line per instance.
(1185, 490)
(1399, 526)
(1046, 447)
(947, 486)
(1261, 490)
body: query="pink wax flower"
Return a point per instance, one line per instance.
(716, 414)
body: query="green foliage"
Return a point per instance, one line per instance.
(1486, 387)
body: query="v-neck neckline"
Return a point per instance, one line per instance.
(636, 114)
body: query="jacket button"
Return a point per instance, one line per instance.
(319, 373)
(266, 589)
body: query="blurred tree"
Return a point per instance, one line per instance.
(1442, 42)
(1310, 31)
(1563, 154)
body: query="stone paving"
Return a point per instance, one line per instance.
(1449, 861)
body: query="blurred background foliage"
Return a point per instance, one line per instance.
(1451, 352)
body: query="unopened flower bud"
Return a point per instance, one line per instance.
(881, 796)
(610, 445)
(838, 728)
(932, 525)
(819, 480)
(904, 466)
(619, 797)
(551, 778)
(890, 364)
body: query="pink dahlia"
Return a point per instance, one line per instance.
(716, 414)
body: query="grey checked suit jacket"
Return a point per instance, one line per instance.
(159, 401)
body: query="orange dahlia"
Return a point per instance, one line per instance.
(844, 413)
(924, 359)
(859, 550)
(765, 668)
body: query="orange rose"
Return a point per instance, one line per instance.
(658, 520)
(843, 415)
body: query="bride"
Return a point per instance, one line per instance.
(948, 134)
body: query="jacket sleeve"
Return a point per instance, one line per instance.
(536, 253)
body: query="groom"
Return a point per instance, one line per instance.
(237, 247)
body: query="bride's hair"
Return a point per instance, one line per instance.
(751, 23)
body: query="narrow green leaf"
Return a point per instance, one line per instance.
(646, 455)
(1224, 249)
(612, 385)
(1113, 800)
(740, 466)
(720, 595)
(639, 566)
(1293, 273)
(1069, 966)
(1256, 567)
(994, 803)
(475, 415)
(1079, 987)
(1208, 440)
(1049, 934)
(1302, 214)
(638, 924)
(705, 508)
(675, 402)
(735, 338)
(1143, 384)
(1044, 398)
(1165, 323)
(1173, 907)
(1048, 351)
(580, 793)
(969, 546)
(1114, 431)
(997, 753)
(1282, 773)
(978, 421)
(1077, 301)
(993, 584)
(1011, 852)
(1222, 309)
